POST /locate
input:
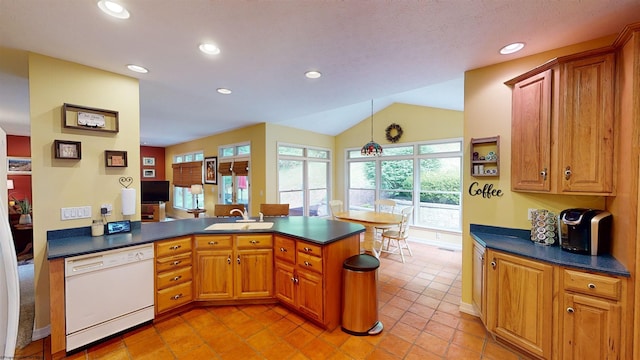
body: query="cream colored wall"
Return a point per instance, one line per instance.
(487, 104)
(285, 134)
(209, 145)
(60, 183)
(419, 123)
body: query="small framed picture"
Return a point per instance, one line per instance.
(148, 161)
(115, 158)
(211, 170)
(148, 173)
(67, 149)
(18, 165)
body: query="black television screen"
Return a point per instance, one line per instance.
(154, 191)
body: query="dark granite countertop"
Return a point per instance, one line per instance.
(72, 242)
(516, 242)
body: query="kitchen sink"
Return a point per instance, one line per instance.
(241, 226)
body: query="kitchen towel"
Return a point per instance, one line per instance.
(128, 196)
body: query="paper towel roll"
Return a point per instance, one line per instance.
(128, 201)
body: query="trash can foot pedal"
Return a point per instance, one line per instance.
(376, 329)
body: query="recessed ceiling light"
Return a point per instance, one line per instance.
(113, 8)
(209, 48)
(511, 48)
(223, 91)
(137, 68)
(313, 74)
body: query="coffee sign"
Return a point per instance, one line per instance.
(487, 191)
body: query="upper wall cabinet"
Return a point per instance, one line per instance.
(562, 126)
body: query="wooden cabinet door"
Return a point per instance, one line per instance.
(519, 309)
(285, 282)
(531, 133)
(585, 126)
(309, 295)
(215, 274)
(254, 273)
(479, 292)
(591, 328)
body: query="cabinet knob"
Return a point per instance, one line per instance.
(567, 172)
(570, 310)
(592, 286)
(283, 249)
(307, 249)
(493, 264)
(176, 278)
(306, 263)
(238, 259)
(543, 173)
(175, 247)
(213, 243)
(176, 297)
(229, 260)
(254, 242)
(177, 262)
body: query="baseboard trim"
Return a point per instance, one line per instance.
(468, 309)
(41, 333)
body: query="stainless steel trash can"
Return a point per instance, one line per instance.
(360, 295)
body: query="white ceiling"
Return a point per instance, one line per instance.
(407, 51)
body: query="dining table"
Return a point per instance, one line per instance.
(370, 220)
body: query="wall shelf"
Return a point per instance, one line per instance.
(485, 157)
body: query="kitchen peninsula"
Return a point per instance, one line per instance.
(298, 261)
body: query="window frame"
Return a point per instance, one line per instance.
(184, 191)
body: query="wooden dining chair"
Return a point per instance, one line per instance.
(335, 206)
(387, 206)
(224, 210)
(392, 240)
(274, 209)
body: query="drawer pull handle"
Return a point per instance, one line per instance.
(254, 242)
(306, 263)
(283, 249)
(176, 297)
(177, 262)
(570, 310)
(176, 278)
(175, 247)
(592, 286)
(308, 249)
(213, 243)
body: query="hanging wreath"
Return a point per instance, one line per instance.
(394, 132)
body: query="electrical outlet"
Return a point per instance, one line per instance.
(530, 213)
(108, 207)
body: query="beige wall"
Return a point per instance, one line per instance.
(60, 183)
(487, 104)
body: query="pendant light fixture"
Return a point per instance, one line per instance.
(371, 148)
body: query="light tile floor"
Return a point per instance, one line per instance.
(418, 304)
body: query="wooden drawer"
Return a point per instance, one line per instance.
(173, 246)
(171, 278)
(173, 262)
(254, 241)
(309, 249)
(592, 284)
(285, 249)
(310, 262)
(214, 242)
(174, 297)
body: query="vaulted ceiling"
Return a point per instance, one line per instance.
(412, 52)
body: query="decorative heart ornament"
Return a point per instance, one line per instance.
(126, 181)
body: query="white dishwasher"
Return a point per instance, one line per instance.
(107, 292)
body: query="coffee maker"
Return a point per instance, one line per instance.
(585, 231)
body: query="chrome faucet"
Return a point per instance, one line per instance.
(245, 214)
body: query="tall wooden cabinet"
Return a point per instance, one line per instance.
(308, 277)
(520, 302)
(562, 126)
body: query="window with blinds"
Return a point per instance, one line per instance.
(187, 173)
(239, 168)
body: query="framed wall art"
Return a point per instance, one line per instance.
(67, 149)
(18, 165)
(211, 170)
(148, 173)
(148, 161)
(115, 158)
(86, 118)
